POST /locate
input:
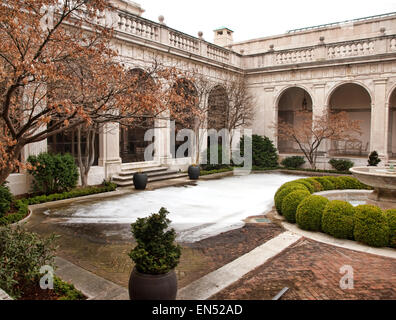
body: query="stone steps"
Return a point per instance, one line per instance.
(125, 177)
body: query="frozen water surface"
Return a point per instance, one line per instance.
(197, 212)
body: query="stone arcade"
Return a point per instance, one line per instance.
(347, 66)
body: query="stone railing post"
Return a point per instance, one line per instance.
(164, 35)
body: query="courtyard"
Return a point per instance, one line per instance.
(140, 162)
(97, 241)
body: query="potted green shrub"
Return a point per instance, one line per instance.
(155, 257)
(194, 172)
(374, 159)
(140, 180)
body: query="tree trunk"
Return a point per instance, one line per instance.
(84, 177)
(4, 174)
(85, 165)
(6, 171)
(79, 155)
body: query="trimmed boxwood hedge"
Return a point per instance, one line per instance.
(281, 194)
(326, 183)
(371, 226)
(309, 213)
(303, 182)
(338, 219)
(353, 183)
(22, 207)
(291, 202)
(315, 184)
(367, 224)
(336, 182)
(391, 217)
(307, 184)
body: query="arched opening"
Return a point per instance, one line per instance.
(132, 144)
(217, 108)
(356, 102)
(183, 116)
(295, 104)
(392, 126)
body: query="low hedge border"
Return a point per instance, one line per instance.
(258, 169)
(303, 170)
(209, 172)
(370, 224)
(22, 205)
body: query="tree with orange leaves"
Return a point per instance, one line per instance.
(59, 72)
(309, 133)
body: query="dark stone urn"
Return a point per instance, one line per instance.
(152, 287)
(140, 181)
(194, 172)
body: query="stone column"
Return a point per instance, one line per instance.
(267, 118)
(163, 153)
(379, 121)
(109, 149)
(320, 108)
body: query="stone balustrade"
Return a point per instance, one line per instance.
(351, 49)
(295, 56)
(323, 52)
(183, 41)
(137, 26)
(218, 54)
(157, 32)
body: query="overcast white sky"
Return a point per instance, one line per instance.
(258, 18)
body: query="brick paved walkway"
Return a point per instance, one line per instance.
(202, 257)
(312, 271)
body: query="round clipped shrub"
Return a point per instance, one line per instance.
(341, 164)
(326, 183)
(280, 195)
(352, 183)
(371, 226)
(391, 217)
(293, 162)
(291, 202)
(315, 184)
(306, 183)
(300, 181)
(309, 213)
(338, 219)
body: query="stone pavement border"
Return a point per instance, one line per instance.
(91, 285)
(4, 296)
(221, 278)
(347, 244)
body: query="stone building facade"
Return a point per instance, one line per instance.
(348, 66)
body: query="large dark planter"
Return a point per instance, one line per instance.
(152, 287)
(194, 172)
(140, 181)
